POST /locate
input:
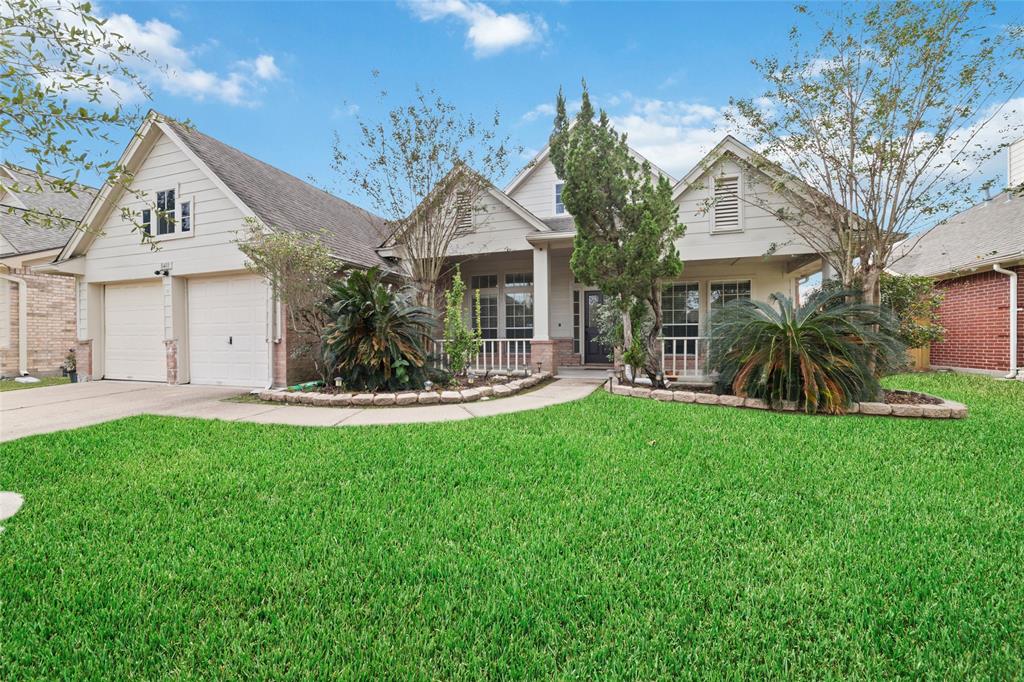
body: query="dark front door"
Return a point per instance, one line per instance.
(593, 350)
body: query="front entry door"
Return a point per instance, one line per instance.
(593, 350)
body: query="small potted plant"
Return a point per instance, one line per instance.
(70, 366)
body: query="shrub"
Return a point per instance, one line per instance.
(375, 334)
(461, 342)
(823, 355)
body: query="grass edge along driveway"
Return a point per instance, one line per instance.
(608, 538)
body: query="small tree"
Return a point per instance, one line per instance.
(880, 114)
(626, 221)
(299, 270)
(63, 78)
(424, 168)
(461, 342)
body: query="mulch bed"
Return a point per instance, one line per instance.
(456, 384)
(910, 398)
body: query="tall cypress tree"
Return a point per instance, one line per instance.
(626, 220)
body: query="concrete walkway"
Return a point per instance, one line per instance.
(55, 408)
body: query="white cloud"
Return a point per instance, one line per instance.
(675, 135)
(539, 111)
(172, 68)
(488, 32)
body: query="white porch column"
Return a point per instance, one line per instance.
(541, 292)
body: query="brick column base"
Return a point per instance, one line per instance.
(542, 353)
(83, 359)
(171, 348)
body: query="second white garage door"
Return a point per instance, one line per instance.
(227, 320)
(134, 332)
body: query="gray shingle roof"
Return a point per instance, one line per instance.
(58, 213)
(282, 201)
(563, 223)
(983, 234)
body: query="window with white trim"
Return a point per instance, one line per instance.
(726, 210)
(165, 212)
(559, 206)
(487, 286)
(726, 292)
(171, 213)
(519, 305)
(680, 305)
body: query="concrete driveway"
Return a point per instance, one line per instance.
(55, 408)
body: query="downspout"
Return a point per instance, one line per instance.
(1014, 369)
(22, 322)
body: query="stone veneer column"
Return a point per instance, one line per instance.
(171, 348)
(542, 352)
(83, 359)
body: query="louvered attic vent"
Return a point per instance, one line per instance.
(726, 211)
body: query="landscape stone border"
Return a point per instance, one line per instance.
(403, 398)
(947, 409)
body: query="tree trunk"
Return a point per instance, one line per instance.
(653, 365)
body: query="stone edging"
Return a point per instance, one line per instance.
(404, 398)
(947, 410)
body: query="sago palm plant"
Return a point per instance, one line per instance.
(375, 336)
(824, 355)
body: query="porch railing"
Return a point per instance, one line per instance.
(684, 356)
(495, 354)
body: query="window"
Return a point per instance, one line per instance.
(165, 212)
(488, 315)
(724, 292)
(576, 321)
(487, 285)
(559, 206)
(519, 305)
(483, 282)
(147, 224)
(185, 215)
(725, 210)
(680, 305)
(519, 279)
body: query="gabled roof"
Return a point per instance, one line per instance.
(279, 200)
(537, 160)
(59, 212)
(728, 145)
(987, 233)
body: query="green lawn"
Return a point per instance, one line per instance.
(608, 538)
(12, 385)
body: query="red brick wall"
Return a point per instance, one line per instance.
(51, 323)
(564, 357)
(975, 313)
(289, 369)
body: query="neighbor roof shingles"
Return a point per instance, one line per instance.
(282, 201)
(58, 213)
(983, 234)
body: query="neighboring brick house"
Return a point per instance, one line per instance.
(37, 311)
(977, 258)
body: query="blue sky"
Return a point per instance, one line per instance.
(277, 79)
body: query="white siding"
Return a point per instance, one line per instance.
(118, 253)
(82, 304)
(1015, 163)
(760, 230)
(497, 229)
(537, 192)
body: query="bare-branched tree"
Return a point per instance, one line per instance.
(425, 168)
(881, 114)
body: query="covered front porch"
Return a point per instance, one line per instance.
(535, 316)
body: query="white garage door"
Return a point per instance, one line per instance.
(227, 319)
(134, 332)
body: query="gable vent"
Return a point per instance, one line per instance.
(464, 213)
(726, 211)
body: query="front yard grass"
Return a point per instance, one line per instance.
(12, 385)
(606, 538)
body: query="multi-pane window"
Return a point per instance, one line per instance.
(680, 304)
(165, 212)
(559, 206)
(483, 282)
(147, 224)
(725, 292)
(185, 215)
(576, 321)
(519, 305)
(487, 286)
